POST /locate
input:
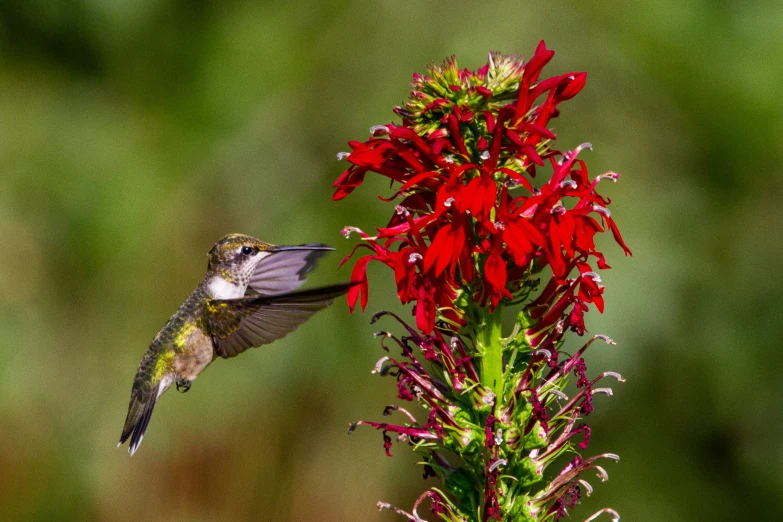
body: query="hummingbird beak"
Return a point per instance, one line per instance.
(288, 248)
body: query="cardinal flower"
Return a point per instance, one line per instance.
(488, 215)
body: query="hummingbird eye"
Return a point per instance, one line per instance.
(246, 250)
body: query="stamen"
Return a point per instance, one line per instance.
(352, 427)
(607, 175)
(449, 158)
(559, 394)
(342, 155)
(612, 456)
(379, 130)
(499, 437)
(489, 398)
(604, 338)
(615, 375)
(385, 505)
(592, 275)
(601, 473)
(495, 465)
(414, 257)
(605, 391)
(558, 209)
(381, 333)
(543, 351)
(611, 512)
(499, 225)
(393, 407)
(568, 183)
(448, 202)
(587, 486)
(401, 211)
(602, 210)
(379, 365)
(582, 147)
(347, 231)
(484, 155)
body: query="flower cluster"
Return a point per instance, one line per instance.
(474, 231)
(469, 220)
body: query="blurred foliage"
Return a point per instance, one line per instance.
(135, 134)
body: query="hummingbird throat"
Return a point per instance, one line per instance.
(232, 283)
(222, 289)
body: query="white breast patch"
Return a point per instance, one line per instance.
(222, 289)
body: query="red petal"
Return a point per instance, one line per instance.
(532, 154)
(530, 75)
(517, 243)
(439, 252)
(372, 154)
(538, 130)
(618, 237)
(572, 88)
(425, 310)
(516, 176)
(599, 303)
(359, 274)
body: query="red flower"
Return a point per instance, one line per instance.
(462, 163)
(447, 246)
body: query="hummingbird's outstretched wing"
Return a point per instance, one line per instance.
(250, 321)
(285, 269)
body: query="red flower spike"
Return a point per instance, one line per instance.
(470, 234)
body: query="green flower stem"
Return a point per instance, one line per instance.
(490, 347)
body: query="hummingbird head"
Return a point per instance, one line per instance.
(232, 261)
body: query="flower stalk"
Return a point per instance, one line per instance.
(490, 348)
(489, 218)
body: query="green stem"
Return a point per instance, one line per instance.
(490, 343)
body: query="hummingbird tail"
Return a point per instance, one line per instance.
(139, 414)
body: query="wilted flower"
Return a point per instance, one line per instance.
(471, 233)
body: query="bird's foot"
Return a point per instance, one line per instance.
(183, 385)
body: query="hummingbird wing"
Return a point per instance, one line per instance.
(285, 270)
(250, 321)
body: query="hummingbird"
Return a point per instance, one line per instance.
(248, 298)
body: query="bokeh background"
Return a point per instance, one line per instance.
(133, 134)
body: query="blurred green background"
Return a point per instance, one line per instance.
(133, 134)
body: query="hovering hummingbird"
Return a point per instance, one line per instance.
(247, 299)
